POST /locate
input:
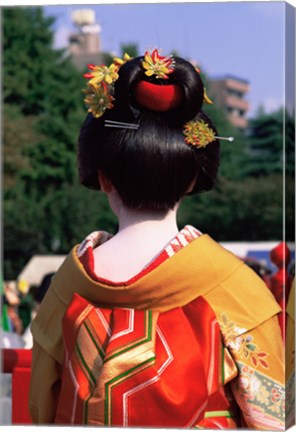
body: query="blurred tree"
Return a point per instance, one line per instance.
(233, 154)
(24, 223)
(17, 130)
(27, 58)
(266, 146)
(42, 83)
(43, 111)
(131, 48)
(175, 53)
(82, 210)
(51, 224)
(250, 209)
(289, 144)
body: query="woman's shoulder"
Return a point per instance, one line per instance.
(243, 300)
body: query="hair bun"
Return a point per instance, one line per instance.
(178, 98)
(157, 97)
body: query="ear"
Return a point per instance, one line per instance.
(104, 181)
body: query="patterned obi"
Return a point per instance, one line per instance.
(135, 368)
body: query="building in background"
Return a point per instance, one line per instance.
(85, 43)
(229, 92)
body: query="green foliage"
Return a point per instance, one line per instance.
(247, 210)
(82, 210)
(266, 143)
(132, 49)
(41, 91)
(23, 222)
(17, 130)
(233, 154)
(43, 111)
(289, 145)
(51, 224)
(27, 58)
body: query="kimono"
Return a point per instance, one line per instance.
(290, 357)
(191, 342)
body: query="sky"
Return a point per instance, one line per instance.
(244, 39)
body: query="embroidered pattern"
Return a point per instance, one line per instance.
(185, 236)
(244, 346)
(262, 397)
(92, 240)
(290, 398)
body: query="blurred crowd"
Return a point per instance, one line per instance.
(20, 303)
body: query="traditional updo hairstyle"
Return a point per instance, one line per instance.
(152, 167)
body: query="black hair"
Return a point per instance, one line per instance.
(151, 167)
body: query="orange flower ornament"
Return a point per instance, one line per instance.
(157, 65)
(102, 73)
(198, 134)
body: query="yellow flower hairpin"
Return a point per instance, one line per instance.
(119, 62)
(98, 99)
(157, 65)
(99, 91)
(102, 73)
(199, 134)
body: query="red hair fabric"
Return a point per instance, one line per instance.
(158, 97)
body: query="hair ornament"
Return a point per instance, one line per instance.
(119, 62)
(98, 99)
(99, 91)
(199, 134)
(206, 98)
(121, 125)
(102, 73)
(157, 65)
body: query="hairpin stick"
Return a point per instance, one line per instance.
(225, 138)
(120, 127)
(117, 124)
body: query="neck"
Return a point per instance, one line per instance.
(141, 227)
(147, 223)
(140, 238)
